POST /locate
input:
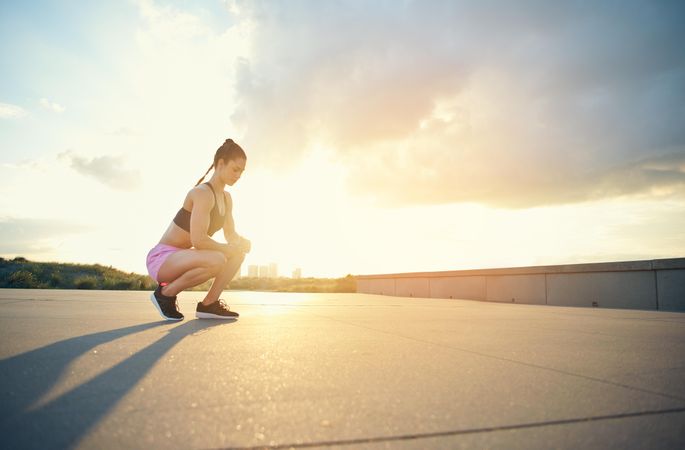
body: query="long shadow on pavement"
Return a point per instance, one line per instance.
(63, 421)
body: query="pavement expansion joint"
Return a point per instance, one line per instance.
(437, 434)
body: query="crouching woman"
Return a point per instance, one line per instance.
(187, 256)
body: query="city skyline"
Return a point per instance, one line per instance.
(268, 271)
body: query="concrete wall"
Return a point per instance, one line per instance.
(458, 287)
(670, 288)
(516, 289)
(633, 290)
(378, 286)
(655, 284)
(412, 287)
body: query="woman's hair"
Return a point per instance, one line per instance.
(228, 151)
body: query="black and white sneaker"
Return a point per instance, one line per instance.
(216, 310)
(167, 306)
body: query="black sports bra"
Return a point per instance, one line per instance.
(216, 221)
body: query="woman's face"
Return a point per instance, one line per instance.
(231, 172)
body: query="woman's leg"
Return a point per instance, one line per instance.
(225, 275)
(187, 268)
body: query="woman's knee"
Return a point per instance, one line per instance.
(216, 261)
(234, 255)
(238, 257)
(219, 260)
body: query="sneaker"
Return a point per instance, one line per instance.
(167, 306)
(216, 310)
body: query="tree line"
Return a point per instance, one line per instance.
(22, 273)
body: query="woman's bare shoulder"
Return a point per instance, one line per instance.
(199, 193)
(201, 190)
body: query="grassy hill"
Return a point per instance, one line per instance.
(22, 273)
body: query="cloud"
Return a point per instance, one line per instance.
(27, 236)
(436, 102)
(400, 177)
(173, 105)
(106, 169)
(51, 106)
(8, 111)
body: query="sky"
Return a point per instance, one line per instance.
(382, 136)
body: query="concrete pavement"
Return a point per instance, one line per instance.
(99, 369)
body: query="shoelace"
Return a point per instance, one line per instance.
(224, 305)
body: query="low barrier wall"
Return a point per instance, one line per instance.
(652, 284)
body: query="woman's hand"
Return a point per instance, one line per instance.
(237, 247)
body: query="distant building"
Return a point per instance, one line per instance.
(297, 273)
(263, 271)
(273, 270)
(253, 271)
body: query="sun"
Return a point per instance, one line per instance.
(294, 215)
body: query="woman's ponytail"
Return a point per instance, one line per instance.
(203, 176)
(229, 150)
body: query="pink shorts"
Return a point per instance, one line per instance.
(157, 256)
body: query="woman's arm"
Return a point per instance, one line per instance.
(230, 234)
(199, 223)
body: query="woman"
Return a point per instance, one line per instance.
(186, 255)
